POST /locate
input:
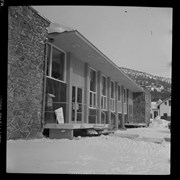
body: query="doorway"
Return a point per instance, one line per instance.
(77, 104)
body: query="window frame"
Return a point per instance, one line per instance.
(169, 103)
(112, 100)
(124, 94)
(119, 94)
(94, 93)
(104, 97)
(49, 75)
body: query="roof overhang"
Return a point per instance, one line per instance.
(75, 43)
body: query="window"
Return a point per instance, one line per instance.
(165, 103)
(55, 63)
(165, 114)
(112, 90)
(124, 95)
(92, 102)
(127, 94)
(130, 109)
(112, 99)
(169, 102)
(92, 80)
(103, 93)
(58, 60)
(119, 105)
(48, 59)
(119, 93)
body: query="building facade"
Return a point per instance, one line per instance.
(59, 81)
(141, 107)
(165, 109)
(154, 110)
(26, 38)
(161, 109)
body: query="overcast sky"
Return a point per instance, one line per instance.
(139, 38)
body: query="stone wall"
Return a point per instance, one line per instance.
(26, 44)
(147, 106)
(141, 107)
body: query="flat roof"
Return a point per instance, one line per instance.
(76, 43)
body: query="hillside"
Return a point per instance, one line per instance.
(159, 87)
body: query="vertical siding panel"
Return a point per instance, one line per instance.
(122, 126)
(116, 105)
(69, 87)
(98, 97)
(108, 100)
(86, 93)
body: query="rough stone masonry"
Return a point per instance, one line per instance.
(26, 46)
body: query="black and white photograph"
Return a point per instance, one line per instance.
(89, 90)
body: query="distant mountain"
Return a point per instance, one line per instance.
(159, 87)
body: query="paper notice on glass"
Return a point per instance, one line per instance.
(49, 102)
(59, 115)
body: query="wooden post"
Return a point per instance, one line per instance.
(44, 88)
(99, 97)
(108, 100)
(69, 88)
(122, 124)
(86, 93)
(127, 101)
(116, 105)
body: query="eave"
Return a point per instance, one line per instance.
(77, 44)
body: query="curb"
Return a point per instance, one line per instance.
(154, 140)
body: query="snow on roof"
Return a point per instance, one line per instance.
(153, 105)
(55, 27)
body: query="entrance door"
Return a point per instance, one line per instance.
(77, 106)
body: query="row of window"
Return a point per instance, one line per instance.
(56, 65)
(93, 91)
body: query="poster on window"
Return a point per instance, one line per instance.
(59, 115)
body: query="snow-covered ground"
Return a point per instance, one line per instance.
(109, 154)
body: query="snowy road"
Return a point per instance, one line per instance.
(91, 155)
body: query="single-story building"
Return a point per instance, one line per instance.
(58, 81)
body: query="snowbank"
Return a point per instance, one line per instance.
(158, 123)
(89, 155)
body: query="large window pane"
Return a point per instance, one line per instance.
(48, 59)
(94, 105)
(90, 102)
(73, 94)
(102, 102)
(92, 80)
(124, 95)
(58, 90)
(112, 90)
(119, 93)
(79, 95)
(58, 60)
(103, 88)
